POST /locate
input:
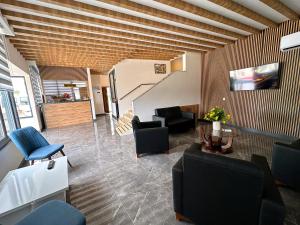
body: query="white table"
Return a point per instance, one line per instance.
(24, 189)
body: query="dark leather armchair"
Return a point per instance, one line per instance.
(286, 164)
(175, 119)
(150, 137)
(216, 190)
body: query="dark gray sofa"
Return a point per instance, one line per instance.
(175, 119)
(216, 190)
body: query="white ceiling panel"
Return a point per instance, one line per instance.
(262, 9)
(205, 4)
(292, 4)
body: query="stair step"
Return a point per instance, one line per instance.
(127, 126)
(121, 129)
(124, 126)
(121, 122)
(127, 119)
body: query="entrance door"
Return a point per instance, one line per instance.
(114, 99)
(105, 99)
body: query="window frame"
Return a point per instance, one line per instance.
(5, 140)
(27, 97)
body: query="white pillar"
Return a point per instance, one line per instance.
(90, 87)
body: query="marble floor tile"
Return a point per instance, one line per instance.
(112, 187)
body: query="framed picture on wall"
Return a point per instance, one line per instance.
(160, 68)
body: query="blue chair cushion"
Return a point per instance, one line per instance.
(54, 213)
(45, 152)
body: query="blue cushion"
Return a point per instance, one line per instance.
(45, 152)
(54, 213)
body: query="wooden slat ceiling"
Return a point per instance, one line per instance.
(100, 33)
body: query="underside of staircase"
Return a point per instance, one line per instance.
(123, 126)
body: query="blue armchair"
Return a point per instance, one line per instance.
(54, 212)
(33, 146)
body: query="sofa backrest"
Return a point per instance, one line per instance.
(220, 190)
(169, 113)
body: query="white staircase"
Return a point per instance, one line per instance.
(123, 126)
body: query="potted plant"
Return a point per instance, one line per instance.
(217, 115)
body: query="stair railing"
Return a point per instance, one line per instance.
(134, 89)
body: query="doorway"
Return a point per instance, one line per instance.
(106, 99)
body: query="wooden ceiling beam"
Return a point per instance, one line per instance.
(63, 46)
(27, 8)
(82, 43)
(70, 64)
(88, 42)
(71, 4)
(27, 49)
(21, 19)
(42, 31)
(73, 54)
(242, 10)
(142, 40)
(281, 8)
(185, 7)
(96, 55)
(52, 51)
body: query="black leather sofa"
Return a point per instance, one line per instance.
(150, 137)
(286, 164)
(175, 119)
(211, 189)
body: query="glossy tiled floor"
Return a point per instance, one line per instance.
(111, 186)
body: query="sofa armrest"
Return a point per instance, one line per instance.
(161, 119)
(177, 175)
(272, 209)
(285, 164)
(189, 115)
(150, 124)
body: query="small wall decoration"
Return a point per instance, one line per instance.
(160, 68)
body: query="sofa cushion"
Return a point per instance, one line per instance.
(176, 122)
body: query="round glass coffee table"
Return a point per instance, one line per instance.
(216, 141)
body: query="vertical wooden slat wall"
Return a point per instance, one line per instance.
(275, 111)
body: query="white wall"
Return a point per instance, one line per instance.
(180, 88)
(130, 73)
(10, 159)
(19, 67)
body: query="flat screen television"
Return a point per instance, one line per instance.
(255, 78)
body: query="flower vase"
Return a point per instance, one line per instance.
(217, 125)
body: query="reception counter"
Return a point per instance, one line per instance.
(67, 113)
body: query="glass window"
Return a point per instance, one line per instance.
(8, 115)
(2, 130)
(36, 84)
(21, 97)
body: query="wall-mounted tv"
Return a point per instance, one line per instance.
(255, 78)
